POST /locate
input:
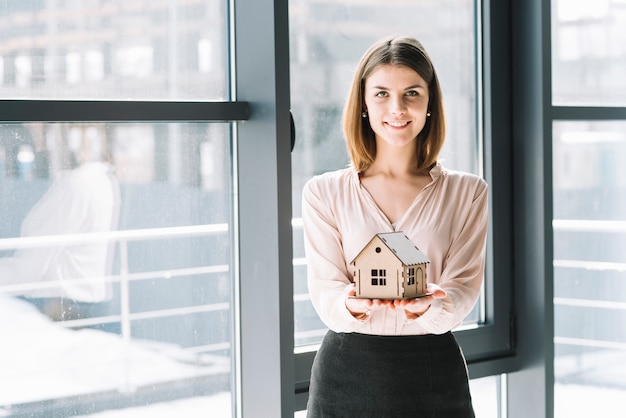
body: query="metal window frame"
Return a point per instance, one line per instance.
(530, 389)
(23, 111)
(490, 348)
(260, 39)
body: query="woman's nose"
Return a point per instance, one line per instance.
(398, 106)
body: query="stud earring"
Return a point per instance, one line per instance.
(427, 114)
(364, 114)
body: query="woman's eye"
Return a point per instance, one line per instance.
(412, 93)
(381, 94)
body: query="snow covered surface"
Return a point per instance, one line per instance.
(216, 406)
(41, 360)
(572, 401)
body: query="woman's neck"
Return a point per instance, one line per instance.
(394, 161)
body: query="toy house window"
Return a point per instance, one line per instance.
(411, 276)
(379, 277)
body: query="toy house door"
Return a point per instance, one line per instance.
(414, 281)
(420, 286)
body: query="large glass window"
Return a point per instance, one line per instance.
(589, 266)
(327, 41)
(117, 278)
(589, 147)
(138, 49)
(115, 267)
(588, 49)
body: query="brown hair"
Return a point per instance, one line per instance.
(360, 138)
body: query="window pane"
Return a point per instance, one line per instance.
(486, 396)
(589, 266)
(588, 49)
(327, 40)
(115, 267)
(99, 49)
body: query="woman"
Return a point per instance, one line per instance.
(393, 358)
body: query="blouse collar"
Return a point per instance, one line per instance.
(435, 172)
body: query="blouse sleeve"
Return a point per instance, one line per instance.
(327, 273)
(463, 269)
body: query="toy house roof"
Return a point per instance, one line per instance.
(406, 251)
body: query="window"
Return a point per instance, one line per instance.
(327, 40)
(589, 225)
(137, 196)
(374, 277)
(411, 276)
(587, 53)
(379, 277)
(589, 261)
(98, 50)
(139, 288)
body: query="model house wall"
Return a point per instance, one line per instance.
(390, 266)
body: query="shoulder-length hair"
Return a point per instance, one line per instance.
(360, 138)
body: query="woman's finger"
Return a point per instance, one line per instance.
(436, 291)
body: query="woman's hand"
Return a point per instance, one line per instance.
(414, 308)
(362, 308)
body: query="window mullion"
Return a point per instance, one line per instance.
(120, 111)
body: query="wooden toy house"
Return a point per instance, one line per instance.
(390, 266)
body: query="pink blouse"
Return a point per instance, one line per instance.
(447, 221)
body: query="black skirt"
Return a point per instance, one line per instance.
(358, 376)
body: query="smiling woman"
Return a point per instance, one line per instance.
(396, 183)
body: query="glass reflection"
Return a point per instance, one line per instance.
(589, 263)
(115, 270)
(588, 49)
(99, 49)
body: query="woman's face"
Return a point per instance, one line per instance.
(396, 100)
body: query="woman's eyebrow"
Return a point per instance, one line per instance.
(415, 86)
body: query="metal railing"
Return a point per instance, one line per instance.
(590, 226)
(124, 277)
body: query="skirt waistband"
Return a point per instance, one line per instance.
(392, 342)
